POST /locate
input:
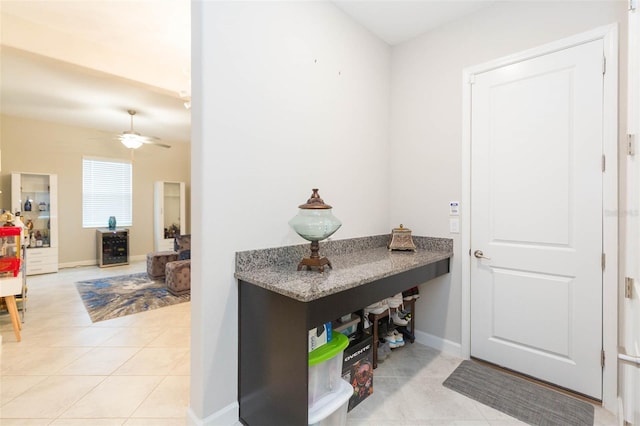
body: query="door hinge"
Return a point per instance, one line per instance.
(604, 163)
(604, 261)
(631, 144)
(602, 358)
(633, 4)
(604, 65)
(628, 287)
(472, 78)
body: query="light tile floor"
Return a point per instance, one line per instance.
(134, 370)
(408, 391)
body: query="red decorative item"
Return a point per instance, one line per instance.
(10, 231)
(11, 264)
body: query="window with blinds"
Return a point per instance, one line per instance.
(106, 191)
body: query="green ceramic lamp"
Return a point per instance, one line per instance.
(315, 222)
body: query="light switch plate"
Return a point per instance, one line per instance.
(454, 225)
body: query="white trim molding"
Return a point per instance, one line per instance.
(609, 35)
(228, 415)
(93, 262)
(438, 343)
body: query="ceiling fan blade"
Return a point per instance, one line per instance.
(156, 143)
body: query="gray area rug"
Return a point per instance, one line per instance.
(112, 297)
(524, 400)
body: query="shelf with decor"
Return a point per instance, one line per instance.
(274, 295)
(35, 197)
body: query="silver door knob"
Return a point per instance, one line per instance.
(480, 255)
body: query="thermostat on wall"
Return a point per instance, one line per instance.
(454, 208)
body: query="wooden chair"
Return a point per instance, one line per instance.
(9, 287)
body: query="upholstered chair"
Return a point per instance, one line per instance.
(157, 262)
(178, 272)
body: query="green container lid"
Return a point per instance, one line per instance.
(327, 351)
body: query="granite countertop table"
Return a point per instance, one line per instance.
(355, 262)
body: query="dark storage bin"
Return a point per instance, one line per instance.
(357, 368)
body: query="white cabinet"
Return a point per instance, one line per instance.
(35, 196)
(169, 214)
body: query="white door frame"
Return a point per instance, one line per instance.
(609, 35)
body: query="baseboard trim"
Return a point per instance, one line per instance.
(435, 342)
(228, 415)
(66, 265)
(94, 262)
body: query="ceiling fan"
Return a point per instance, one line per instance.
(135, 140)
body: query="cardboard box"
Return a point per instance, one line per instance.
(357, 368)
(319, 336)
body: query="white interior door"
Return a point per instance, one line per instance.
(536, 215)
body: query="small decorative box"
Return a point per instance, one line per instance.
(401, 239)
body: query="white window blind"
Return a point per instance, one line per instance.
(106, 191)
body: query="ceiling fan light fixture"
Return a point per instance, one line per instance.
(134, 140)
(131, 140)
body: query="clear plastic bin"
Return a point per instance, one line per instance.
(325, 367)
(331, 410)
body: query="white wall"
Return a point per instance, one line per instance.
(36, 146)
(426, 122)
(288, 96)
(293, 95)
